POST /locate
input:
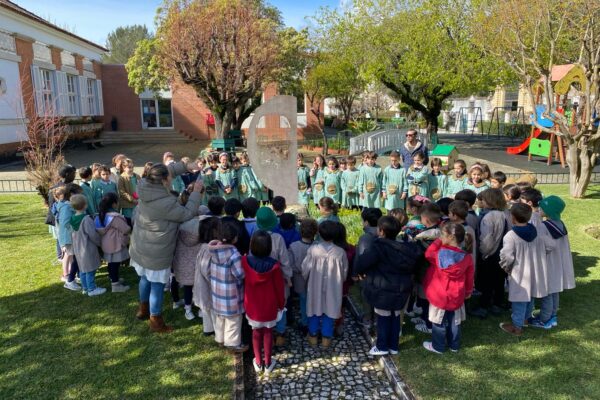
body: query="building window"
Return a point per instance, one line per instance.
(72, 100)
(91, 96)
(47, 89)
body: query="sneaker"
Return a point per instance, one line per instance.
(270, 367)
(393, 352)
(376, 352)
(72, 286)
(189, 314)
(119, 287)
(511, 329)
(97, 292)
(257, 367)
(537, 323)
(423, 328)
(417, 320)
(178, 304)
(454, 350)
(429, 347)
(84, 292)
(554, 320)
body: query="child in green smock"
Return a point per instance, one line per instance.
(225, 178)
(316, 179)
(437, 180)
(303, 181)
(248, 185)
(332, 179)
(417, 177)
(476, 182)
(456, 179)
(349, 183)
(394, 183)
(369, 182)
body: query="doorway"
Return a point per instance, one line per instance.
(156, 113)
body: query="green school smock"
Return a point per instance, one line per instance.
(349, 184)
(247, 186)
(476, 188)
(210, 185)
(369, 185)
(333, 188)
(394, 184)
(101, 188)
(418, 181)
(88, 192)
(437, 186)
(318, 185)
(303, 185)
(454, 185)
(227, 178)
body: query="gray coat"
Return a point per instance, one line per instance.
(156, 222)
(86, 241)
(186, 251)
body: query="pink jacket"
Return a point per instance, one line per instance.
(115, 232)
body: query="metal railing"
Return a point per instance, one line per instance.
(381, 141)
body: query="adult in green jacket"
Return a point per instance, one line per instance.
(156, 221)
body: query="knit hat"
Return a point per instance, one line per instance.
(552, 206)
(266, 218)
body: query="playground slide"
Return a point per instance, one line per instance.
(523, 146)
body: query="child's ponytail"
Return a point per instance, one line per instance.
(469, 243)
(106, 205)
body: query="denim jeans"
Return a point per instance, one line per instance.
(521, 310)
(88, 280)
(74, 271)
(281, 324)
(548, 307)
(152, 292)
(388, 332)
(446, 333)
(303, 317)
(325, 323)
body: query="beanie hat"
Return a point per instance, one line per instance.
(266, 218)
(552, 206)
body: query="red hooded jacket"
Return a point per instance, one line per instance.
(449, 278)
(263, 292)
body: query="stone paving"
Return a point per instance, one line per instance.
(344, 371)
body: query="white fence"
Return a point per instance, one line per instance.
(382, 141)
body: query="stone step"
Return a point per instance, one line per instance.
(161, 136)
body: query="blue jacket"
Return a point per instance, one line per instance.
(407, 156)
(63, 214)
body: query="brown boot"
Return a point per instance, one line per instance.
(279, 341)
(326, 342)
(511, 329)
(312, 340)
(143, 312)
(158, 325)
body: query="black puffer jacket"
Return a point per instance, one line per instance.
(389, 266)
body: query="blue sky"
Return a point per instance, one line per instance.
(94, 19)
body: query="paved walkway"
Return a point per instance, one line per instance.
(344, 371)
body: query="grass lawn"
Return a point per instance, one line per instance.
(562, 363)
(55, 343)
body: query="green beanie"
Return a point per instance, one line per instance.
(552, 206)
(266, 219)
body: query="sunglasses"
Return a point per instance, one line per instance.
(410, 135)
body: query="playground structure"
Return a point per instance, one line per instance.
(550, 145)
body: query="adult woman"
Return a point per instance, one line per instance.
(154, 237)
(411, 147)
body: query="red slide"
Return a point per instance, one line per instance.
(525, 145)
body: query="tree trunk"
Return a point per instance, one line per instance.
(432, 128)
(580, 169)
(223, 123)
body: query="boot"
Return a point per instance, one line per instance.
(279, 341)
(511, 329)
(158, 325)
(326, 342)
(312, 340)
(143, 312)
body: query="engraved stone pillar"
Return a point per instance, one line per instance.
(273, 146)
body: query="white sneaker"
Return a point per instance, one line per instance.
(376, 352)
(270, 368)
(97, 292)
(422, 328)
(417, 320)
(119, 287)
(78, 280)
(393, 352)
(189, 314)
(177, 304)
(72, 286)
(257, 367)
(429, 347)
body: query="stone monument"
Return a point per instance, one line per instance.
(272, 145)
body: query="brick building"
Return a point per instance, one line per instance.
(47, 70)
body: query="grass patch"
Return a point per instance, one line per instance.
(593, 231)
(55, 343)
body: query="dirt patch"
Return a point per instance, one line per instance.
(593, 231)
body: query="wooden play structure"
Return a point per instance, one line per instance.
(551, 145)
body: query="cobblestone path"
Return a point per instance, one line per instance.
(344, 371)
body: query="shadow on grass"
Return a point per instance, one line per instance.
(60, 344)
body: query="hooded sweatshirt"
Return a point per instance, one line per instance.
(263, 288)
(449, 280)
(561, 275)
(63, 214)
(226, 279)
(115, 232)
(86, 241)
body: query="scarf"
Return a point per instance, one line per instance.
(76, 221)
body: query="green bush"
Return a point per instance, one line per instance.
(504, 129)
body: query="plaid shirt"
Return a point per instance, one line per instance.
(226, 279)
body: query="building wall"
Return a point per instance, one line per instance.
(120, 100)
(190, 113)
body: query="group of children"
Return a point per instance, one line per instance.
(445, 238)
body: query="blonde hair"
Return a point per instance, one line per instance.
(78, 202)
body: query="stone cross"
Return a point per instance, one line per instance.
(273, 146)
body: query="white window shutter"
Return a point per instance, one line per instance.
(99, 97)
(62, 97)
(37, 89)
(83, 96)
